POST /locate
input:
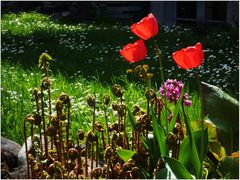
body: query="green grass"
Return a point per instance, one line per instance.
(86, 60)
(16, 98)
(94, 48)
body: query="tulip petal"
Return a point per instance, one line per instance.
(134, 52)
(190, 57)
(146, 28)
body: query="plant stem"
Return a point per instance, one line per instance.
(202, 120)
(25, 139)
(68, 122)
(163, 80)
(106, 121)
(44, 128)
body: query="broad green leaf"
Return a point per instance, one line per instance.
(159, 135)
(229, 167)
(177, 168)
(185, 154)
(125, 154)
(223, 111)
(195, 158)
(161, 174)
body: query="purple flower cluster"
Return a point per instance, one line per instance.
(173, 91)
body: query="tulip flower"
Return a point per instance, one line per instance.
(146, 28)
(189, 57)
(134, 52)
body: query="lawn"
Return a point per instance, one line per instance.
(86, 64)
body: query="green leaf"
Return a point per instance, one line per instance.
(132, 119)
(125, 154)
(176, 110)
(185, 155)
(177, 168)
(223, 111)
(159, 135)
(161, 174)
(195, 158)
(229, 167)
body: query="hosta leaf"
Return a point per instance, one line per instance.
(125, 154)
(177, 168)
(223, 111)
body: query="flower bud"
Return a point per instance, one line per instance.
(114, 106)
(135, 173)
(122, 110)
(171, 140)
(64, 98)
(140, 72)
(80, 134)
(51, 169)
(150, 94)
(38, 119)
(46, 83)
(106, 99)
(73, 154)
(54, 120)
(91, 101)
(70, 165)
(117, 90)
(108, 152)
(30, 118)
(91, 136)
(59, 106)
(98, 126)
(51, 131)
(97, 172)
(136, 110)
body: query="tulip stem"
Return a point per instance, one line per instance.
(202, 120)
(163, 80)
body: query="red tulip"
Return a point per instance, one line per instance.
(146, 28)
(189, 57)
(134, 52)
